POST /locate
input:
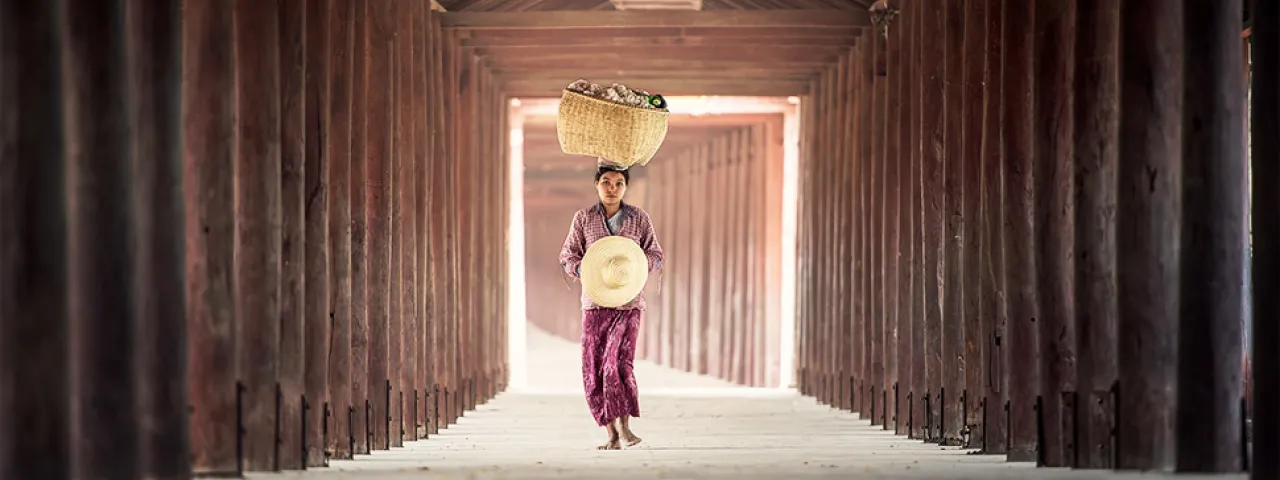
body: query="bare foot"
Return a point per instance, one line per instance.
(612, 444)
(631, 438)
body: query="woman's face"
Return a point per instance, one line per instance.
(611, 187)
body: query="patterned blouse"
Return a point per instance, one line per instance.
(590, 224)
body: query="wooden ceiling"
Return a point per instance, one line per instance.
(729, 47)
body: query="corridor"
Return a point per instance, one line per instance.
(971, 239)
(692, 426)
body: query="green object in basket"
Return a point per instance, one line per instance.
(657, 101)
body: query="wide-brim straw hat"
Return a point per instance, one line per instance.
(614, 271)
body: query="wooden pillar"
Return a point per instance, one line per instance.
(155, 49)
(1149, 200)
(875, 246)
(1210, 328)
(907, 152)
(318, 156)
(1023, 355)
(803, 284)
(340, 197)
(919, 387)
(841, 220)
(954, 361)
(378, 191)
(407, 179)
(258, 228)
(822, 214)
(396, 176)
(423, 139)
(715, 331)
(101, 258)
(361, 428)
(1265, 135)
(209, 76)
(848, 223)
(293, 137)
(995, 314)
(35, 314)
(862, 313)
(975, 45)
(1096, 140)
(889, 222)
(440, 182)
(932, 57)
(1054, 184)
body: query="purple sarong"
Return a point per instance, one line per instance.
(608, 356)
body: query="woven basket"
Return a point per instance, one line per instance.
(622, 134)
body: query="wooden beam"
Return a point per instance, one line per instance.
(638, 41)
(807, 19)
(535, 125)
(568, 75)
(597, 33)
(675, 86)
(654, 64)
(768, 54)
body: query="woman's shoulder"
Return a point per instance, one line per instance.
(639, 212)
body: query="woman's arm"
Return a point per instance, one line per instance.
(574, 247)
(649, 243)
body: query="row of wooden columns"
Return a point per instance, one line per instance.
(315, 172)
(707, 311)
(978, 268)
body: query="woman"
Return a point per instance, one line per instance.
(609, 334)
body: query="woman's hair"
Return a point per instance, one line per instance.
(601, 170)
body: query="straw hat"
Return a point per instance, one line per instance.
(613, 271)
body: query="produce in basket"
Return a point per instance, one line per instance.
(619, 93)
(617, 125)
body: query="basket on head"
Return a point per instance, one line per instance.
(623, 134)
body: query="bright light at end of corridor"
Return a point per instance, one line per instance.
(794, 100)
(515, 102)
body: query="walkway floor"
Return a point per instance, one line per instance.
(693, 427)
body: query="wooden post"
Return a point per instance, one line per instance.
(1265, 135)
(863, 314)
(361, 429)
(1096, 140)
(1211, 323)
(102, 289)
(908, 152)
(378, 181)
(407, 179)
(932, 56)
(841, 219)
(889, 221)
(209, 76)
(293, 137)
(995, 319)
(951, 201)
(1149, 200)
(975, 46)
(423, 138)
(919, 375)
(1023, 353)
(318, 155)
(340, 198)
(875, 247)
(1054, 185)
(35, 315)
(395, 189)
(155, 45)
(258, 227)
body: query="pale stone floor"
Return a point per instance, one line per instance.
(693, 427)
